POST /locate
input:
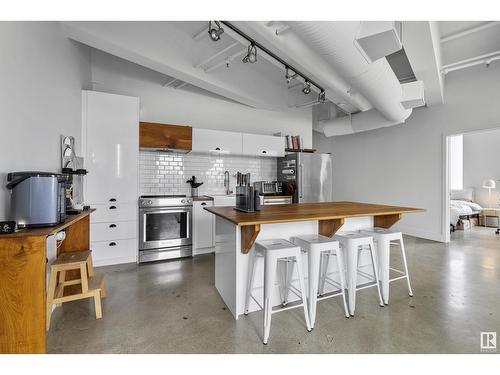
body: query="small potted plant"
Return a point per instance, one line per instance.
(194, 186)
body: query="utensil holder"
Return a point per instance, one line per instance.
(194, 192)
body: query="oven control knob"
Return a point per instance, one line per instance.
(150, 202)
(189, 200)
(183, 201)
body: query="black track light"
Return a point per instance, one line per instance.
(215, 32)
(307, 87)
(251, 55)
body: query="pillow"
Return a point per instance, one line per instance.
(462, 195)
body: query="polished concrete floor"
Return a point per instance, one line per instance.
(173, 307)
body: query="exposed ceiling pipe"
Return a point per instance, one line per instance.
(360, 122)
(335, 43)
(477, 60)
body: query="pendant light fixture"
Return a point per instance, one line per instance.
(215, 32)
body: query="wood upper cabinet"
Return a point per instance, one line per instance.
(165, 136)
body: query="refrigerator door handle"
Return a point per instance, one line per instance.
(301, 182)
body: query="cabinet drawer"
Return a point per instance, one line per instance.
(110, 213)
(114, 252)
(119, 230)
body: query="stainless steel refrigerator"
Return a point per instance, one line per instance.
(307, 177)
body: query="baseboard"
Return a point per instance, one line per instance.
(113, 261)
(205, 250)
(421, 233)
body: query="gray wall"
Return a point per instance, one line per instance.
(40, 97)
(404, 164)
(481, 162)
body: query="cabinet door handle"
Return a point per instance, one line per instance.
(112, 199)
(112, 225)
(112, 244)
(217, 149)
(264, 152)
(203, 204)
(112, 207)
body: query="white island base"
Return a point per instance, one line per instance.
(231, 265)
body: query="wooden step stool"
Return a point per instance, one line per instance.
(92, 284)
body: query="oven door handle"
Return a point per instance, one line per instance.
(165, 211)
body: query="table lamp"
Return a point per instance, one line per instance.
(489, 184)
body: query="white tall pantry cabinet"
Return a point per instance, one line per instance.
(110, 141)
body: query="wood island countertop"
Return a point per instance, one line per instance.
(307, 212)
(330, 216)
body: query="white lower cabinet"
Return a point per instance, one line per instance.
(114, 251)
(111, 231)
(203, 226)
(110, 213)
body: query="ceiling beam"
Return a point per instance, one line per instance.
(227, 60)
(168, 83)
(200, 34)
(181, 85)
(468, 31)
(221, 52)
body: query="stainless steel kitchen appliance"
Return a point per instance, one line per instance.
(38, 198)
(268, 187)
(165, 227)
(247, 198)
(270, 200)
(308, 177)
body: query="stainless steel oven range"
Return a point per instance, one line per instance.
(165, 227)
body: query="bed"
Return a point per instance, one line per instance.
(462, 206)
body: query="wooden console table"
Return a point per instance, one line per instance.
(23, 257)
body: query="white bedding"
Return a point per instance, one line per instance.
(460, 208)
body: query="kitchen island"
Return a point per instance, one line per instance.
(237, 231)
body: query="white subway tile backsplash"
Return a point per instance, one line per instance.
(167, 173)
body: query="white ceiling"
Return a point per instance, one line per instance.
(484, 39)
(183, 50)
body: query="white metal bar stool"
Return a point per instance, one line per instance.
(317, 248)
(274, 251)
(384, 238)
(352, 243)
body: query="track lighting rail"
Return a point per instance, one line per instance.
(275, 57)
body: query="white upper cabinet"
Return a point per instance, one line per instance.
(207, 140)
(263, 145)
(111, 146)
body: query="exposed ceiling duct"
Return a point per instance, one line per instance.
(360, 122)
(335, 42)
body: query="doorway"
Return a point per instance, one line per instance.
(471, 183)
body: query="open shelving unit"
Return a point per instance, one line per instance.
(307, 150)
